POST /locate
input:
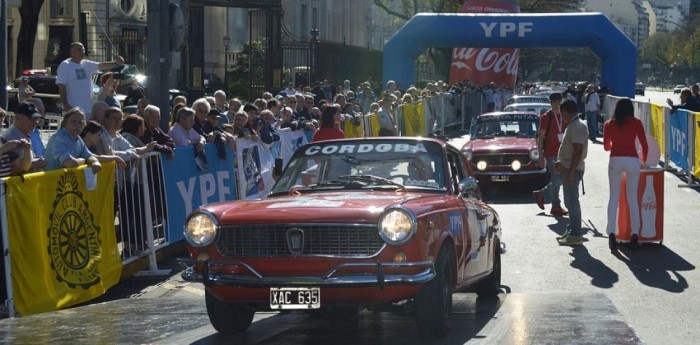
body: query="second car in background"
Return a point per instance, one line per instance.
(503, 149)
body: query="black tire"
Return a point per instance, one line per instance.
(490, 287)
(228, 318)
(433, 304)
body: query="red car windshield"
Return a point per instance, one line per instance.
(365, 164)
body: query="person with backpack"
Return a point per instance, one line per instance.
(550, 134)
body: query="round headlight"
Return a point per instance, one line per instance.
(481, 165)
(515, 165)
(535, 154)
(200, 229)
(397, 226)
(467, 154)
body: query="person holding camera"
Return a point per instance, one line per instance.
(108, 93)
(74, 78)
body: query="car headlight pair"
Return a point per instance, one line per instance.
(200, 229)
(397, 225)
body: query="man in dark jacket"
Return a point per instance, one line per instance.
(688, 102)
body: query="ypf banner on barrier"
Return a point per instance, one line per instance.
(62, 239)
(187, 186)
(678, 137)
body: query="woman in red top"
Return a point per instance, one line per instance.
(330, 121)
(619, 134)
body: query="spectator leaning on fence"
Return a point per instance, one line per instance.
(182, 132)
(116, 142)
(164, 143)
(37, 143)
(66, 149)
(26, 119)
(10, 162)
(92, 137)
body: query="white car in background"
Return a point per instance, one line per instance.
(539, 108)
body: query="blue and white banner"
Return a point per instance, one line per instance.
(254, 169)
(290, 142)
(187, 186)
(678, 146)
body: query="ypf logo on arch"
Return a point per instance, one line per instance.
(74, 241)
(506, 29)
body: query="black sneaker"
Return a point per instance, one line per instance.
(634, 242)
(612, 243)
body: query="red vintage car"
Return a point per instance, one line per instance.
(502, 148)
(350, 224)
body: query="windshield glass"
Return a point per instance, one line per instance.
(507, 125)
(366, 164)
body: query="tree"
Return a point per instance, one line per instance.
(29, 14)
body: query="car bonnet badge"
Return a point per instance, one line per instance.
(295, 241)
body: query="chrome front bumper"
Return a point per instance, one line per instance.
(332, 278)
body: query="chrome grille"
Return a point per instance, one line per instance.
(319, 239)
(501, 159)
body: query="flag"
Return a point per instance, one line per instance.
(354, 131)
(62, 239)
(414, 119)
(657, 124)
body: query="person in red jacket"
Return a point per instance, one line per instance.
(619, 134)
(330, 121)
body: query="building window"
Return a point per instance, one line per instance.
(61, 8)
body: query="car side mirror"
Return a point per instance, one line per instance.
(469, 188)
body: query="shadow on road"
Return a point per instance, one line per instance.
(656, 266)
(601, 275)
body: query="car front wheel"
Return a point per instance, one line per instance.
(433, 305)
(228, 318)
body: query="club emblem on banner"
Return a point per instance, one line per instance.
(74, 243)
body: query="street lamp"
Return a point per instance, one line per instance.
(227, 40)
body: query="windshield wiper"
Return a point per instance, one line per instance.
(332, 183)
(374, 179)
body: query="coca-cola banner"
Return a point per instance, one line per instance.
(484, 65)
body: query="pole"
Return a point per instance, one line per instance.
(3, 54)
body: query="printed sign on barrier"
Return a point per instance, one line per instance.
(678, 138)
(187, 187)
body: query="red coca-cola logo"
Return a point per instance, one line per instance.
(485, 59)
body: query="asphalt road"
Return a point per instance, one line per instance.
(552, 294)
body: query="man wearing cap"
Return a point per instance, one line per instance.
(26, 119)
(10, 164)
(74, 78)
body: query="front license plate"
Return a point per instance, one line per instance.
(500, 178)
(295, 298)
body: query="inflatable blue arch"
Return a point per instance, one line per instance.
(541, 30)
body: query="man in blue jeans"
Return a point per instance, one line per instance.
(592, 108)
(570, 165)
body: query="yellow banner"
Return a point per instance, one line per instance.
(63, 248)
(352, 131)
(657, 125)
(696, 168)
(414, 119)
(374, 126)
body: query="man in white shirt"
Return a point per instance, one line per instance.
(74, 78)
(592, 108)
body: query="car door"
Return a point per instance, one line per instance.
(472, 225)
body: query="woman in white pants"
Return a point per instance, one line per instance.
(619, 134)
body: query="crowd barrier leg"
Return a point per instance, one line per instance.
(9, 302)
(151, 250)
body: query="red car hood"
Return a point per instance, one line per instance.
(333, 207)
(508, 144)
